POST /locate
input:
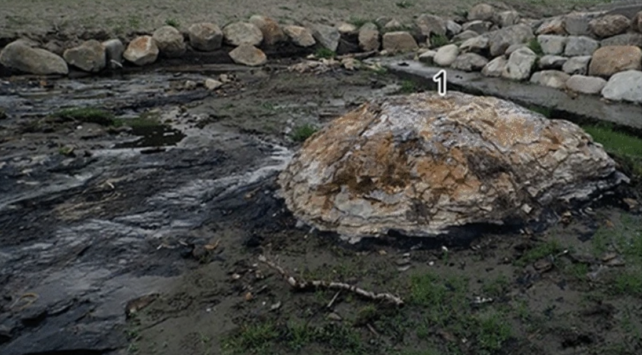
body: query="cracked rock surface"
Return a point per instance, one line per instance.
(422, 164)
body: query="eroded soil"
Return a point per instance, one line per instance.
(113, 243)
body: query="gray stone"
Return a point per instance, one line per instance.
(624, 86)
(627, 39)
(393, 25)
(446, 55)
(477, 44)
(520, 64)
(507, 18)
(141, 50)
(212, 84)
(607, 61)
(427, 57)
(369, 37)
(205, 36)
(326, 36)
(469, 62)
(430, 25)
(552, 44)
(465, 35)
(272, 32)
(300, 36)
(452, 28)
(609, 25)
(552, 62)
(114, 49)
(20, 56)
(482, 12)
(169, 41)
(89, 56)
(551, 78)
(477, 26)
(514, 47)
(355, 177)
(238, 33)
(552, 26)
(577, 24)
(577, 65)
(580, 46)
(500, 40)
(399, 41)
(589, 85)
(249, 55)
(495, 67)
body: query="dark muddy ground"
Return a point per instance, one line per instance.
(115, 243)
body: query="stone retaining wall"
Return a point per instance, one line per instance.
(588, 53)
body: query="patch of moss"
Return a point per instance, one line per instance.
(86, 114)
(624, 146)
(325, 53)
(534, 45)
(438, 40)
(302, 133)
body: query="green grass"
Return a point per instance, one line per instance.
(540, 251)
(408, 87)
(438, 41)
(302, 133)
(172, 22)
(544, 111)
(627, 283)
(492, 330)
(495, 287)
(87, 114)
(534, 45)
(404, 4)
(325, 53)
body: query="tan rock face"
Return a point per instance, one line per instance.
(142, 50)
(422, 164)
(272, 32)
(300, 36)
(609, 25)
(607, 61)
(249, 55)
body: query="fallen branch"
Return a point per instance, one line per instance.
(307, 285)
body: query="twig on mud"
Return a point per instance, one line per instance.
(307, 285)
(333, 299)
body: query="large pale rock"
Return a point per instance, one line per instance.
(327, 36)
(205, 36)
(465, 35)
(507, 18)
(20, 56)
(89, 56)
(272, 32)
(551, 78)
(369, 37)
(609, 25)
(446, 55)
(577, 65)
(249, 55)
(476, 44)
(141, 51)
(552, 62)
(553, 26)
(114, 49)
(500, 40)
(607, 61)
(431, 25)
(552, 44)
(577, 24)
(626, 39)
(300, 36)
(469, 62)
(589, 85)
(422, 165)
(580, 45)
(624, 86)
(482, 12)
(477, 26)
(495, 67)
(399, 41)
(238, 33)
(520, 64)
(169, 41)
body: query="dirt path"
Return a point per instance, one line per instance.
(124, 16)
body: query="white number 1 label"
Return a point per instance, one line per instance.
(440, 79)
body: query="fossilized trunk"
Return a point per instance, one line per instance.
(422, 164)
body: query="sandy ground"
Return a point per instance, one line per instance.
(123, 16)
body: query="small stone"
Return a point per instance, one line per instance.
(607, 61)
(212, 84)
(476, 45)
(114, 49)
(334, 317)
(249, 296)
(609, 256)
(169, 41)
(349, 63)
(550, 78)
(431, 25)
(577, 65)
(369, 37)
(20, 56)
(552, 62)
(624, 86)
(543, 265)
(552, 44)
(300, 36)
(446, 55)
(554, 26)
(272, 32)
(249, 55)
(393, 25)
(427, 57)
(141, 51)
(480, 27)
(205, 36)
(191, 85)
(327, 36)
(452, 28)
(482, 12)
(580, 46)
(346, 28)
(609, 25)
(469, 62)
(630, 203)
(507, 18)
(239, 33)
(520, 64)
(495, 67)
(89, 56)
(224, 78)
(399, 41)
(577, 24)
(465, 35)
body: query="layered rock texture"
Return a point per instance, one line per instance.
(423, 164)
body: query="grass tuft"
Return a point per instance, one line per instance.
(302, 133)
(86, 114)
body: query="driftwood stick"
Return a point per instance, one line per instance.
(307, 285)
